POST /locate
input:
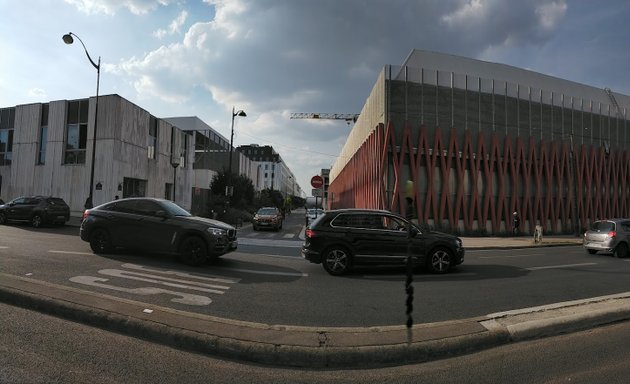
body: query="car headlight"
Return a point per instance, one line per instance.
(217, 231)
(458, 243)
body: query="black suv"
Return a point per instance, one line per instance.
(156, 225)
(342, 238)
(36, 210)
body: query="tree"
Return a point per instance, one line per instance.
(243, 194)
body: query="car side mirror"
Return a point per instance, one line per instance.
(161, 214)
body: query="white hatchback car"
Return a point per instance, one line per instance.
(611, 235)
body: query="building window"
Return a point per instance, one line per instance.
(76, 132)
(168, 191)
(152, 141)
(43, 136)
(134, 187)
(184, 153)
(7, 124)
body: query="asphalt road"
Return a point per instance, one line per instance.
(37, 348)
(267, 281)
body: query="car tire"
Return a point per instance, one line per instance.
(621, 251)
(3, 218)
(100, 241)
(337, 260)
(193, 251)
(37, 220)
(440, 260)
(591, 251)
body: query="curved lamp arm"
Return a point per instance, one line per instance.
(69, 40)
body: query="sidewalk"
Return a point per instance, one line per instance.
(319, 347)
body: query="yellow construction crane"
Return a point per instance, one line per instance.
(348, 117)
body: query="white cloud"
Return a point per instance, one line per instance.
(174, 26)
(37, 93)
(549, 14)
(109, 7)
(470, 12)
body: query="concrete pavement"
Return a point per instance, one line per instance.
(319, 347)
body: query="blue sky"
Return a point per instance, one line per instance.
(274, 57)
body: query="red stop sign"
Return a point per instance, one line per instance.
(317, 181)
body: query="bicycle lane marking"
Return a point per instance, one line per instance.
(190, 282)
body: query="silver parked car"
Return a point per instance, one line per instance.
(611, 235)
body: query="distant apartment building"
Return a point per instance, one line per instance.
(271, 171)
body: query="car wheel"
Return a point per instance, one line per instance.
(337, 260)
(591, 251)
(100, 241)
(440, 260)
(622, 250)
(3, 218)
(193, 251)
(36, 220)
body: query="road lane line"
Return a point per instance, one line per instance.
(512, 256)
(71, 252)
(559, 266)
(214, 279)
(293, 274)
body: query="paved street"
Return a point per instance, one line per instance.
(32, 352)
(265, 295)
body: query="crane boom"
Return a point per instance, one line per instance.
(349, 117)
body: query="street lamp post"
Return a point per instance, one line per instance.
(228, 187)
(89, 203)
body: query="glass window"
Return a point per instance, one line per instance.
(7, 123)
(76, 132)
(152, 138)
(147, 208)
(43, 136)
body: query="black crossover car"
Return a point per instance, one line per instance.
(156, 225)
(340, 239)
(36, 210)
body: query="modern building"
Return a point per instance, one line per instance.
(46, 149)
(480, 141)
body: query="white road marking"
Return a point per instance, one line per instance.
(512, 256)
(3, 247)
(559, 266)
(183, 298)
(172, 283)
(71, 252)
(181, 274)
(417, 276)
(294, 274)
(289, 236)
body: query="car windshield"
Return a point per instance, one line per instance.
(174, 209)
(267, 211)
(603, 226)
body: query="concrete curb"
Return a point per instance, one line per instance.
(309, 347)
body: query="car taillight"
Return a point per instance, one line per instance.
(86, 213)
(309, 233)
(612, 234)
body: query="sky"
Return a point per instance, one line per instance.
(272, 58)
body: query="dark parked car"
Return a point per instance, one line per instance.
(156, 225)
(341, 239)
(268, 217)
(611, 235)
(37, 210)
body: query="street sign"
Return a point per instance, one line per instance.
(317, 192)
(317, 181)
